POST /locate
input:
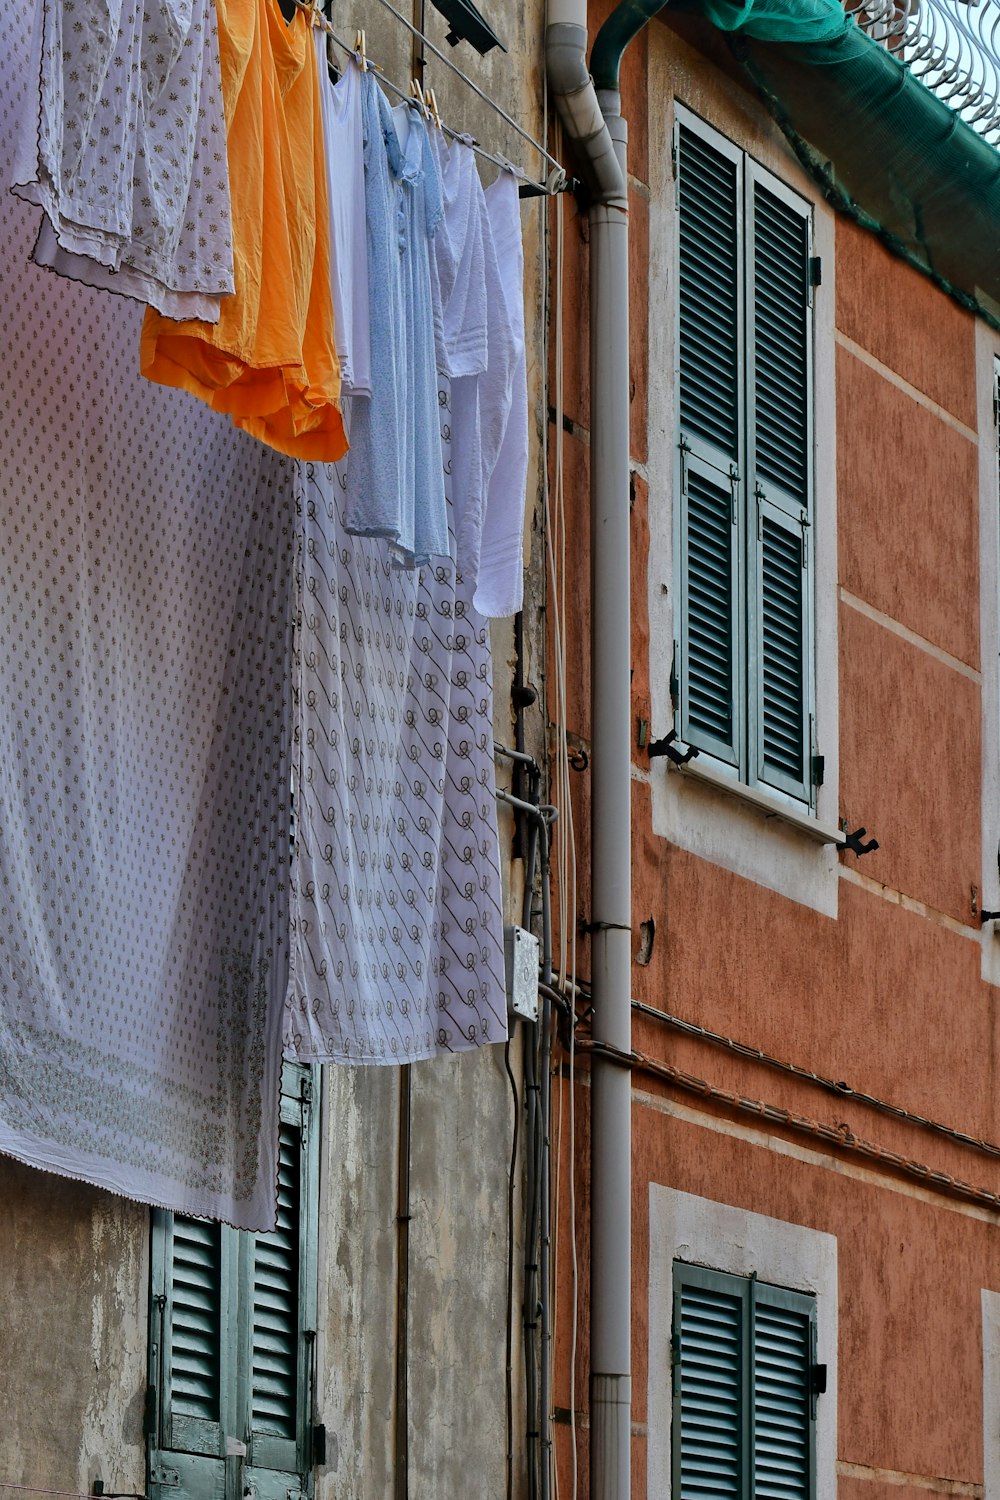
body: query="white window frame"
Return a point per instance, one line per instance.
(987, 377)
(721, 1237)
(756, 832)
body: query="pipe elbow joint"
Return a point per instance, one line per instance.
(580, 111)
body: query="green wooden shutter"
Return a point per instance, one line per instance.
(710, 1418)
(191, 1371)
(780, 464)
(280, 1275)
(709, 289)
(710, 399)
(743, 1409)
(194, 1325)
(233, 1317)
(783, 1458)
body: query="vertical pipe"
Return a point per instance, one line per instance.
(611, 901)
(402, 1466)
(545, 1184)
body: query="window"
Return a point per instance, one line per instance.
(232, 1321)
(744, 1388)
(742, 684)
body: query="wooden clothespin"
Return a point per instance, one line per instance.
(417, 94)
(361, 50)
(431, 98)
(314, 13)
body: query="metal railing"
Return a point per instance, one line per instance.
(952, 47)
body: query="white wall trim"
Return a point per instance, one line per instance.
(987, 353)
(700, 1231)
(712, 823)
(991, 1395)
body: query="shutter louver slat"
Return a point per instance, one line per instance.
(195, 1312)
(709, 293)
(274, 1368)
(709, 635)
(781, 1404)
(781, 344)
(710, 1375)
(782, 664)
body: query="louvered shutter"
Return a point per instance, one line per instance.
(711, 1421)
(710, 399)
(191, 1372)
(232, 1320)
(780, 472)
(280, 1276)
(743, 1408)
(193, 1335)
(783, 1340)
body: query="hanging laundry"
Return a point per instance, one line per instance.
(500, 584)
(146, 555)
(270, 360)
(123, 145)
(345, 166)
(395, 485)
(476, 344)
(397, 936)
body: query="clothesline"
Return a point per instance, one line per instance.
(557, 180)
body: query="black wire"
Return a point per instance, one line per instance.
(510, 1272)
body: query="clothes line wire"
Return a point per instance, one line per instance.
(415, 31)
(557, 181)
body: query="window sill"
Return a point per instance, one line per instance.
(701, 769)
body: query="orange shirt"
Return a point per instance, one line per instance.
(270, 361)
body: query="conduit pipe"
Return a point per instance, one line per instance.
(598, 136)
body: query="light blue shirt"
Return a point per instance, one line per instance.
(395, 474)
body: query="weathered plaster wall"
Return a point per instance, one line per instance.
(73, 1296)
(73, 1263)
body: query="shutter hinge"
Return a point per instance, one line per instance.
(674, 684)
(818, 769)
(168, 1478)
(675, 1350)
(815, 270)
(817, 1379)
(673, 156)
(319, 1443)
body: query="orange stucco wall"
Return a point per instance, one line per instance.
(887, 995)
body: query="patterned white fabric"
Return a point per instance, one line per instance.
(123, 143)
(397, 933)
(146, 555)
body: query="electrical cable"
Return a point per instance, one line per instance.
(555, 543)
(839, 1135)
(510, 1272)
(842, 1090)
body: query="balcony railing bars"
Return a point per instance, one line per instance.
(952, 47)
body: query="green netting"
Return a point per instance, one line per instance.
(781, 20)
(884, 148)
